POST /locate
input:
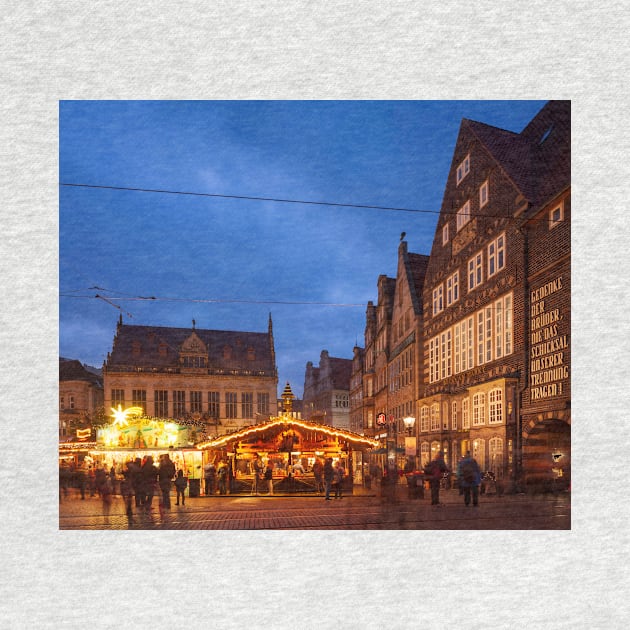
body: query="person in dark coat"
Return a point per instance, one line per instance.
(329, 473)
(180, 486)
(469, 478)
(434, 471)
(210, 476)
(318, 473)
(135, 478)
(149, 474)
(166, 473)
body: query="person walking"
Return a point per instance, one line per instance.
(222, 475)
(318, 473)
(149, 474)
(166, 473)
(329, 473)
(180, 486)
(210, 477)
(257, 470)
(135, 477)
(126, 490)
(269, 476)
(434, 471)
(469, 478)
(338, 477)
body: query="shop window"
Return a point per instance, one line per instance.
(425, 453)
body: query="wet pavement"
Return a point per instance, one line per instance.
(362, 510)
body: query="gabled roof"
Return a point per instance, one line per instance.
(418, 264)
(159, 346)
(537, 160)
(73, 370)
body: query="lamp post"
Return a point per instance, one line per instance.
(409, 423)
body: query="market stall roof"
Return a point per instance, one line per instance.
(284, 423)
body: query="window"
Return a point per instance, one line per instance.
(139, 399)
(160, 403)
(556, 215)
(495, 399)
(496, 255)
(479, 409)
(230, 405)
(179, 403)
(424, 419)
(71, 402)
(118, 398)
(496, 456)
(454, 415)
(463, 215)
(247, 405)
(438, 299)
(195, 402)
(445, 234)
(262, 403)
(482, 337)
(213, 404)
(479, 452)
(463, 169)
(466, 413)
(61, 403)
(435, 417)
(475, 272)
(452, 289)
(483, 194)
(425, 453)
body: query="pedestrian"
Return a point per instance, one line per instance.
(81, 479)
(126, 490)
(329, 473)
(318, 473)
(269, 476)
(338, 477)
(149, 474)
(100, 474)
(222, 476)
(469, 478)
(434, 472)
(180, 486)
(106, 492)
(257, 470)
(210, 476)
(166, 473)
(135, 477)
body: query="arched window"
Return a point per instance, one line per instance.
(425, 453)
(496, 456)
(479, 452)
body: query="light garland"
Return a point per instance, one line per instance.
(288, 420)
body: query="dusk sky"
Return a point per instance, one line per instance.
(226, 262)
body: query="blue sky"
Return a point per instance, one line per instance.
(194, 249)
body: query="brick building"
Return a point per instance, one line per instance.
(225, 379)
(497, 298)
(327, 391)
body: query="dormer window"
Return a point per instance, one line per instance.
(463, 169)
(556, 215)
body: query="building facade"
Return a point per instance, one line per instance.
(327, 391)
(225, 379)
(497, 298)
(80, 398)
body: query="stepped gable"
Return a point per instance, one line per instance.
(160, 347)
(537, 160)
(341, 372)
(418, 264)
(73, 370)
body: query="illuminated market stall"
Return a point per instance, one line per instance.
(132, 435)
(292, 446)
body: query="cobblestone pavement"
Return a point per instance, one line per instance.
(362, 511)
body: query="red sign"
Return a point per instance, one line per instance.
(381, 419)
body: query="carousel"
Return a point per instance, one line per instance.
(293, 449)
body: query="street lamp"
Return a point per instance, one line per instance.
(409, 422)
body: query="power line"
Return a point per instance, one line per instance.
(274, 199)
(140, 298)
(281, 200)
